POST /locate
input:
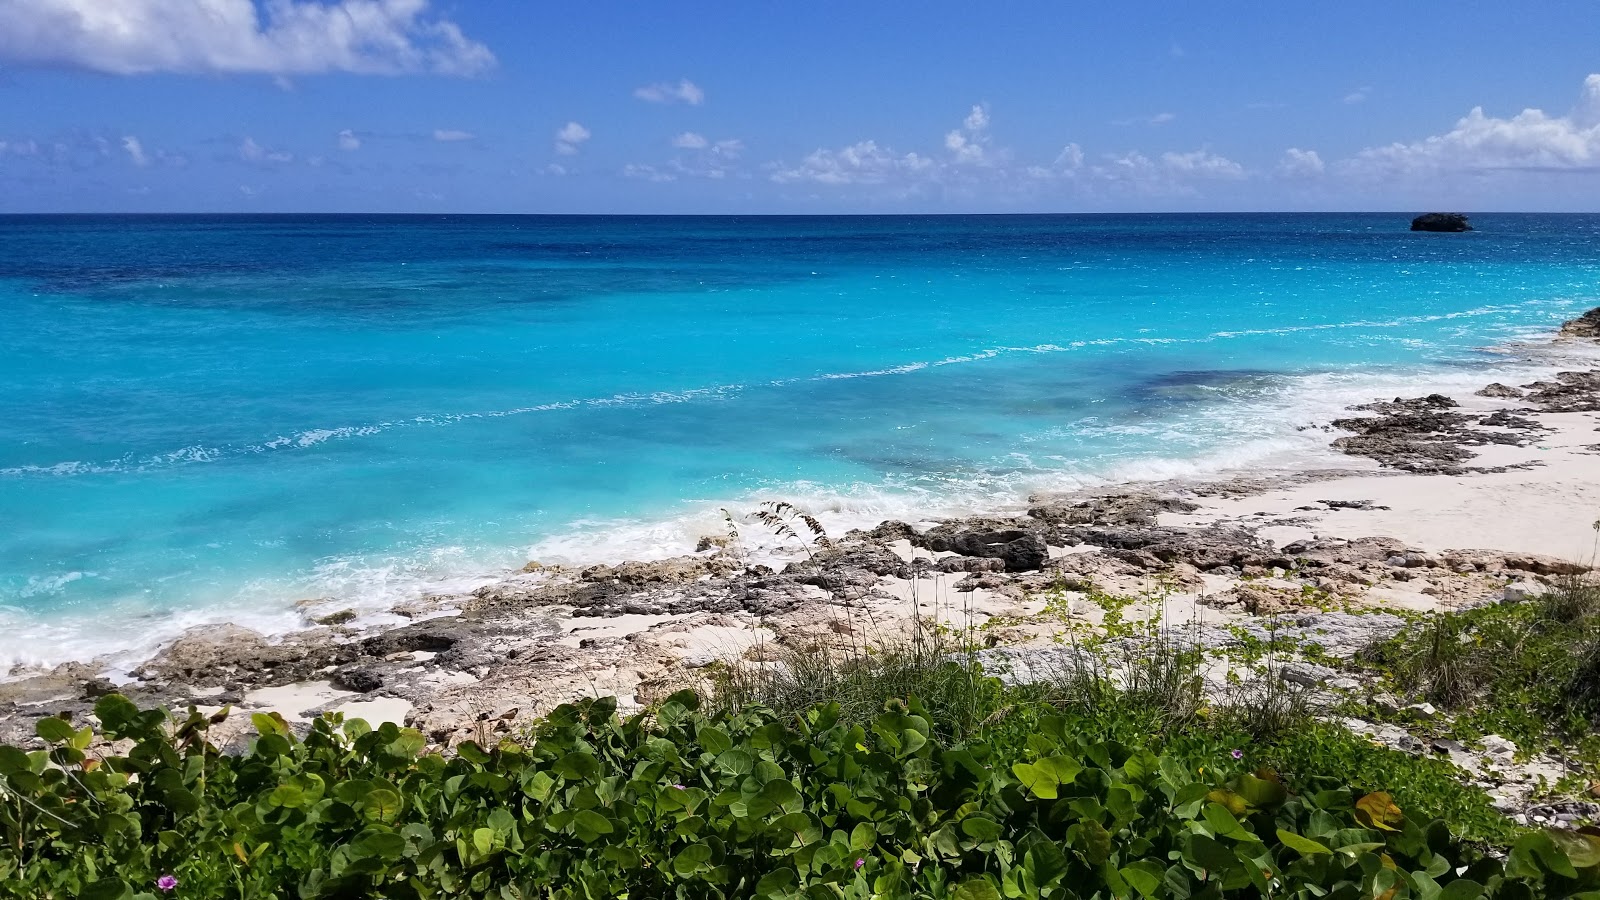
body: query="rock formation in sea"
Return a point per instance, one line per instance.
(1584, 326)
(1440, 222)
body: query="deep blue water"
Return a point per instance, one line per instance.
(214, 417)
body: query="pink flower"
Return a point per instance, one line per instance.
(167, 882)
(1238, 754)
(679, 787)
(860, 862)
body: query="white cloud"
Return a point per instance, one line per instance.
(252, 152)
(685, 91)
(278, 37)
(1168, 174)
(569, 137)
(451, 135)
(860, 163)
(554, 169)
(1299, 163)
(969, 144)
(690, 141)
(1357, 96)
(1160, 118)
(730, 148)
(647, 173)
(348, 140)
(135, 151)
(1532, 140)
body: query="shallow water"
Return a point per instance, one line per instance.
(213, 417)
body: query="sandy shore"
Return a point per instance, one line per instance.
(1441, 502)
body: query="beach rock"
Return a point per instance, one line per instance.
(362, 681)
(1423, 435)
(1022, 551)
(1523, 591)
(1499, 391)
(1112, 509)
(1453, 222)
(210, 653)
(1584, 326)
(1569, 392)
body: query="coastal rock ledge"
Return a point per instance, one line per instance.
(1584, 326)
(1440, 222)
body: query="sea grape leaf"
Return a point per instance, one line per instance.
(1378, 810)
(1303, 845)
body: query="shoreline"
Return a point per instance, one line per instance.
(1287, 431)
(1512, 480)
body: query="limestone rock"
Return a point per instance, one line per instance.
(1584, 326)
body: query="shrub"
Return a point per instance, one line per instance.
(679, 804)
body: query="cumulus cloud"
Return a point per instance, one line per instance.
(690, 141)
(255, 154)
(1297, 163)
(451, 135)
(348, 140)
(860, 163)
(569, 137)
(685, 91)
(1532, 140)
(1169, 174)
(135, 151)
(1358, 95)
(969, 144)
(276, 37)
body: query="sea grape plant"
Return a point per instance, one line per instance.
(680, 804)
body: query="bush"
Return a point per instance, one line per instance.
(680, 804)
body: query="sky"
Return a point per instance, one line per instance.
(893, 106)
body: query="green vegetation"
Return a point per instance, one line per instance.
(895, 769)
(688, 805)
(1527, 671)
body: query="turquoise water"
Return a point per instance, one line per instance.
(214, 417)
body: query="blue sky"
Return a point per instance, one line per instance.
(740, 107)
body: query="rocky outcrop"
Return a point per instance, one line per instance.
(1137, 508)
(1584, 326)
(1424, 435)
(1569, 392)
(1440, 222)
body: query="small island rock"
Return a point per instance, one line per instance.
(1440, 222)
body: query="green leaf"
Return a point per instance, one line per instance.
(1092, 840)
(1040, 783)
(1144, 876)
(1536, 853)
(1221, 822)
(588, 825)
(1262, 793)
(106, 888)
(981, 829)
(1462, 889)
(12, 760)
(976, 889)
(54, 729)
(691, 859)
(714, 740)
(382, 804)
(1582, 850)
(384, 845)
(776, 882)
(1303, 845)
(863, 837)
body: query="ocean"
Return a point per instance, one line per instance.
(259, 418)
